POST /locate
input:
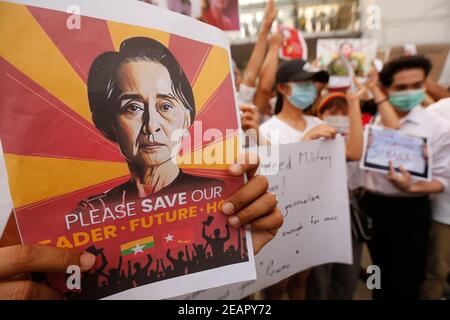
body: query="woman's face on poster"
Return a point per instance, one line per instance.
(218, 4)
(148, 114)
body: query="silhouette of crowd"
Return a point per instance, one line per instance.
(102, 282)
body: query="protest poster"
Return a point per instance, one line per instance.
(382, 145)
(91, 101)
(191, 8)
(345, 59)
(222, 14)
(309, 179)
(294, 45)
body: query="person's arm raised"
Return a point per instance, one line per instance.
(268, 71)
(255, 62)
(387, 113)
(355, 137)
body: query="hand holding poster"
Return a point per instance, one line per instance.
(382, 145)
(309, 179)
(88, 120)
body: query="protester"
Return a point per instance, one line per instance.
(438, 260)
(398, 205)
(295, 92)
(404, 221)
(338, 281)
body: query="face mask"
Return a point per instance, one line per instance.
(303, 95)
(406, 100)
(246, 93)
(272, 103)
(340, 123)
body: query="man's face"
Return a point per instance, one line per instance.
(148, 114)
(410, 79)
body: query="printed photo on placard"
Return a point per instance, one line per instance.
(223, 14)
(100, 132)
(345, 59)
(382, 145)
(294, 45)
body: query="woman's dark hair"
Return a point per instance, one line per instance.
(403, 63)
(334, 103)
(102, 87)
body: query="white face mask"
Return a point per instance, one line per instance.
(272, 103)
(340, 123)
(246, 93)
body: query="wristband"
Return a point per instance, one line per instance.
(382, 101)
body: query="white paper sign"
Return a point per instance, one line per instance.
(312, 190)
(382, 145)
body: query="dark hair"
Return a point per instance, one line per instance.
(403, 63)
(102, 89)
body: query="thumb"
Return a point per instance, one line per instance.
(404, 171)
(39, 258)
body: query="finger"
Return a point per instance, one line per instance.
(38, 258)
(249, 192)
(404, 171)
(391, 169)
(329, 133)
(27, 290)
(246, 127)
(247, 116)
(20, 276)
(261, 238)
(272, 220)
(247, 108)
(245, 163)
(248, 124)
(256, 209)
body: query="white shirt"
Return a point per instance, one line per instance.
(422, 123)
(355, 175)
(286, 133)
(441, 202)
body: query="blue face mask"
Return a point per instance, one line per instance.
(303, 95)
(406, 100)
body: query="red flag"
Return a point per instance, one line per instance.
(178, 238)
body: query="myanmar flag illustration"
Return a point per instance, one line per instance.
(178, 238)
(137, 246)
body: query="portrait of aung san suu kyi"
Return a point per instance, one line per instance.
(139, 97)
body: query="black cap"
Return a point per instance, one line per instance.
(296, 70)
